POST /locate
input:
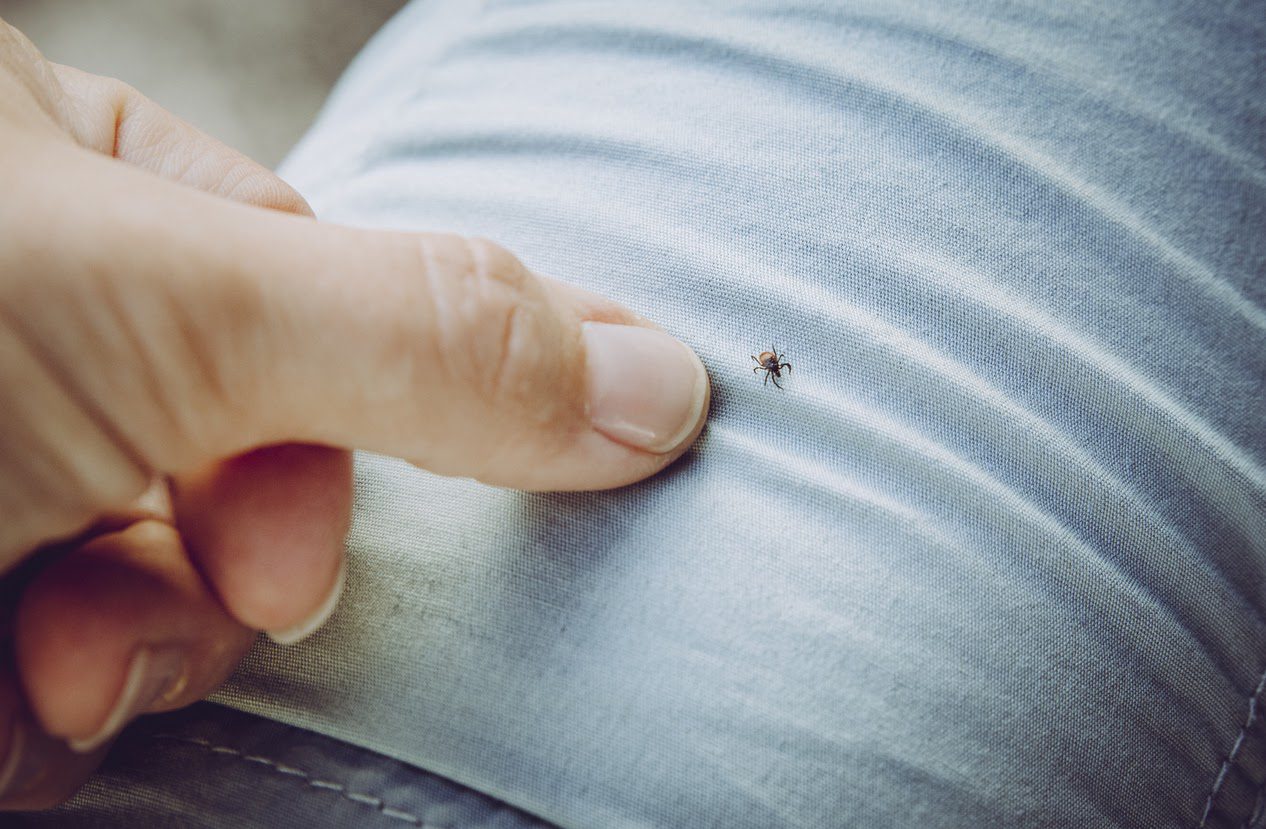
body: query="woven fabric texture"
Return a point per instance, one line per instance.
(996, 554)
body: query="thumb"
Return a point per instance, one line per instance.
(239, 327)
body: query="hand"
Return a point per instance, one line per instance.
(185, 357)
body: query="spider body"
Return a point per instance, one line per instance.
(771, 363)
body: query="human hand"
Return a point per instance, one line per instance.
(182, 372)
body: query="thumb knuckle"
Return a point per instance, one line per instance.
(497, 323)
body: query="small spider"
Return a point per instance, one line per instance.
(771, 363)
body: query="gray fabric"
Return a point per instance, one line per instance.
(209, 766)
(995, 557)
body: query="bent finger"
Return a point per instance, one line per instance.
(113, 118)
(266, 530)
(36, 771)
(120, 627)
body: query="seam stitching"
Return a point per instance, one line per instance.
(359, 798)
(1233, 754)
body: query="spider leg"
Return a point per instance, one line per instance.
(754, 358)
(767, 374)
(786, 366)
(758, 368)
(776, 382)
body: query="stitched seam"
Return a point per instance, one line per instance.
(1232, 754)
(359, 798)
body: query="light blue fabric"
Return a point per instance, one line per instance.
(996, 556)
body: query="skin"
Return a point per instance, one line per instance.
(186, 357)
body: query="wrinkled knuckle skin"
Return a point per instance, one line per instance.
(504, 352)
(490, 261)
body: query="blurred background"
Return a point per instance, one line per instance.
(253, 73)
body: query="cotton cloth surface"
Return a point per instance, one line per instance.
(996, 553)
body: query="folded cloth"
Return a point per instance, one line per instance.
(995, 553)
